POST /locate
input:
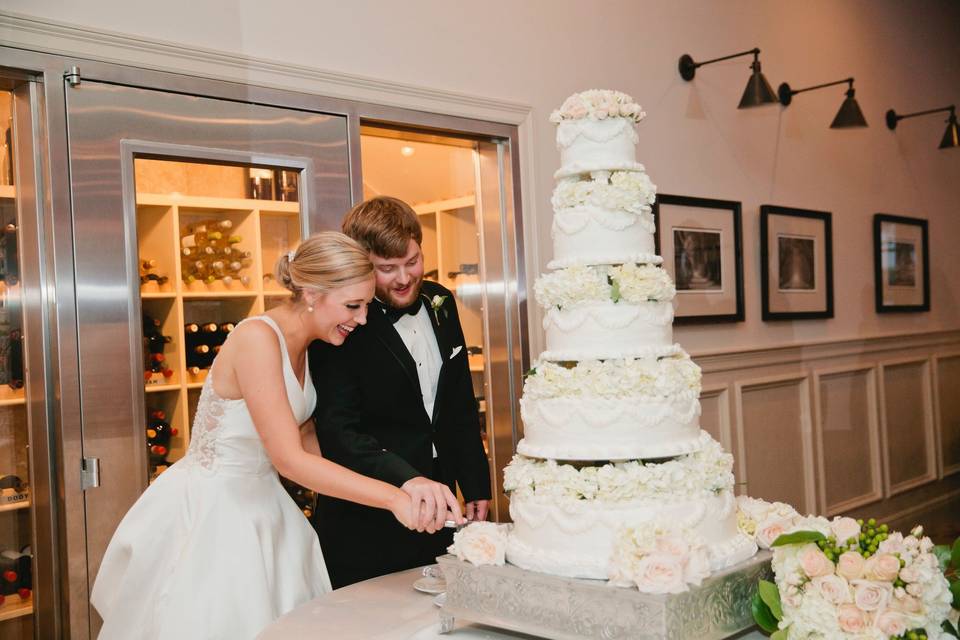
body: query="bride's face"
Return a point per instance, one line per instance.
(337, 313)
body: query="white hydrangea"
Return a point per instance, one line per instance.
(701, 474)
(578, 285)
(598, 104)
(644, 377)
(627, 191)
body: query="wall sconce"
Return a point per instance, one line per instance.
(951, 137)
(849, 115)
(758, 91)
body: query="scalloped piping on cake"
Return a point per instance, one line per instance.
(574, 220)
(598, 131)
(572, 414)
(612, 315)
(577, 168)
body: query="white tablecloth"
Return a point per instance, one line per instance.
(385, 608)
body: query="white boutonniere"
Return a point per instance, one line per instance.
(436, 303)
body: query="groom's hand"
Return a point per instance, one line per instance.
(430, 502)
(477, 510)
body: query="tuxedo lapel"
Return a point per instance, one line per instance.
(441, 329)
(383, 329)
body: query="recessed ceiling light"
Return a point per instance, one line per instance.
(406, 151)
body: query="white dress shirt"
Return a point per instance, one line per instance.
(418, 337)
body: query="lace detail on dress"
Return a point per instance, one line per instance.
(206, 424)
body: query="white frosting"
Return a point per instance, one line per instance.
(603, 330)
(597, 144)
(575, 538)
(586, 428)
(591, 235)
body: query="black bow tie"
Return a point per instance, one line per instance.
(395, 314)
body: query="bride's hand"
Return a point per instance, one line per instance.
(432, 503)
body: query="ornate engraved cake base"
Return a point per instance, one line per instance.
(567, 609)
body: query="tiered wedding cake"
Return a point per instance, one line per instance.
(613, 465)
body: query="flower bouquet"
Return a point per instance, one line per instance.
(848, 578)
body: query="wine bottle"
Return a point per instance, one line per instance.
(227, 327)
(146, 265)
(202, 349)
(210, 327)
(194, 371)
(192, 327)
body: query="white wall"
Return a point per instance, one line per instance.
(694, 141)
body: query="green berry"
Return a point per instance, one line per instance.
(872, 522)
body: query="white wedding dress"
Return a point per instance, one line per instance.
(214, 548)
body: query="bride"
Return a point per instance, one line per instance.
(215, 548)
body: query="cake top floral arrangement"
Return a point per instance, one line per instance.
(849, 578)
(598, 104)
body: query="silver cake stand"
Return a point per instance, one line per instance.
(571, 609)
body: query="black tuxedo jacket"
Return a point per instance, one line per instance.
(370, 418)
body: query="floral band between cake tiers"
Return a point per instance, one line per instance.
(628, 283)
(598, 104)
(628, 191)
(700, 474)
(646, 377)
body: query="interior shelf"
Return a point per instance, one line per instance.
(15, 608)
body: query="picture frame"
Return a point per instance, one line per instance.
(701, 242)
(901, 263)
(796, 263)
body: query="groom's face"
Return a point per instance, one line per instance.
(399, 279)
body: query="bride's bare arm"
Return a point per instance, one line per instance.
(254, 357)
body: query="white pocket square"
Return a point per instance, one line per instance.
(454, 352)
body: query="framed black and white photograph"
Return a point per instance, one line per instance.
(700, 240)
(901, 263)
(796, 263)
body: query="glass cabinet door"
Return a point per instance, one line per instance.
(16, 539)
(208, 238)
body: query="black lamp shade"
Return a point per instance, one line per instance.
(849, 115)
(758, 91)
(951, 137)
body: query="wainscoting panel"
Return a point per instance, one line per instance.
(947, 371)
(907, 419)
(868, 427)
(775, 456)
(850, 473)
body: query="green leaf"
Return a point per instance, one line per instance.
(771, 597)
(780, 634)
(955, 590)
(614, 290)
(943, 553)
(762, 614)
(798, 537)
(949, 628)
(955, 555)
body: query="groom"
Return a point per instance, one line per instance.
(396, 402)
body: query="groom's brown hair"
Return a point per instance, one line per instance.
(383, 225)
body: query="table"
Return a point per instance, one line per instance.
(384, 608)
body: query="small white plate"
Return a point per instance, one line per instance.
(430, 585)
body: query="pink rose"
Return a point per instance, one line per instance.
(834, 589)
(660, 573)
(910, 573)
(577, 110)
(672, 546)
(769, 530)
(850, 565)
(871, 596)
(480, 543)
(883, 567)
(891, 623)
(851, 619)
(844, 529)
(814, 562)
(600, 114)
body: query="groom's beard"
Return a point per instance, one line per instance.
(399, 299)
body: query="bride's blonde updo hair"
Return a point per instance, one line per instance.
(325, 261)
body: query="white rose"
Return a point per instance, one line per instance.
(769, 530)
(697, 567)
(814, 562)
(891, 623)
(893, 544)
(834, 589)
(660, 573)
(481, 543)
(850, 565)
(883, 567)
(871, 596)
(844, 529)
(852, 619)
